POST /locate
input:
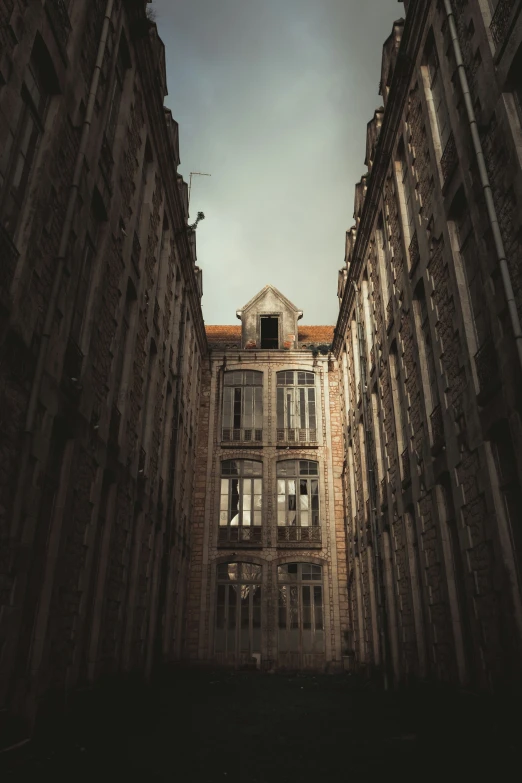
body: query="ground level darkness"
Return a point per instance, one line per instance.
(222, 727)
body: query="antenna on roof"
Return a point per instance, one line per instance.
(195, 174)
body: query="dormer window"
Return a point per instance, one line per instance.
(270, 332)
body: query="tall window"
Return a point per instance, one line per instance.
(470, 259)
(407, 196)
(84, 280)
(35, 96)
(301, 623)
(241, 501)
(238, 610)
(385, 270)
(116, 96)
(437, 93)
(298, 501)
(243, 406)
(432, 398)
(296, 412)
(399, 411)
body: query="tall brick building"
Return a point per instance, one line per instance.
(430, 344)
(342, 498)
(268, 573)
(101, 344)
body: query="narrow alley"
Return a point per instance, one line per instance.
(245, 727)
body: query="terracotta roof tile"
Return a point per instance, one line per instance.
(307, 334)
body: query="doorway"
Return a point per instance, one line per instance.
(300, 616)
(237, 634)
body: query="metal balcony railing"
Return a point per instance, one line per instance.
(299, 535)
(58, 16)
(106, 162)
(487, 368)
(156, 316)
(501, 20)
(240, 535)
(296, 435)
(449, 160)
(242, 435)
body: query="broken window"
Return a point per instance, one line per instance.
(243, 406)
(269, 331)
(241, 501)
(298, 501)
(296, 411)
(300, 608)
(238, 609)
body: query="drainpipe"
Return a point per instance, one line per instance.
(486, 184)
(60, 260)
(370, 468)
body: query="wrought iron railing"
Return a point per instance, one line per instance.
(301, 535)
(437, 427)
(372, 358)
(60, 23)
(414, 252)
(449, 160)
(239, 535)
(156, 316)
(242, 435)
(296, 435)
(501, 19)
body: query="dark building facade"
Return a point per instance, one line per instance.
(431, 349)
(101, 344)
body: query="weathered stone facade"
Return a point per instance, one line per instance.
(101, 346)
(429, 340)
(274, 542)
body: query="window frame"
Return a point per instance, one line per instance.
(291, 612)
(243, 531)
(301, 434)
(292, 528)
(235, 406)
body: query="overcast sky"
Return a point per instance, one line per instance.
(272, 98)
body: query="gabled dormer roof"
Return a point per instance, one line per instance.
(261, 294)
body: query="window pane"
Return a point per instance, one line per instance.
(286, 468)
(257, 469)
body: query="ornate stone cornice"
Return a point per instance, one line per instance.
(418, 11)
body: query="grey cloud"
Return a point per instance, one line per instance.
(272, 99)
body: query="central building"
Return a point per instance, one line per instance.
(268, 553)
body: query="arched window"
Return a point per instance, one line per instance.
(241, 501)
(296, 413)
(243, 406)
(300, 620)
(298, 501)
(238, 610)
